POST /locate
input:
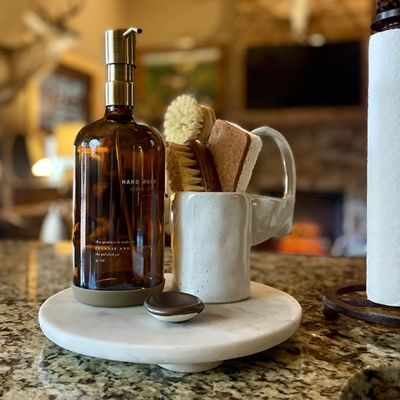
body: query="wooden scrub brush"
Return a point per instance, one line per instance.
(191, 167)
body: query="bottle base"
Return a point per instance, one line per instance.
(115, 298)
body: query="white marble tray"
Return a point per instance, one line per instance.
(220, 332)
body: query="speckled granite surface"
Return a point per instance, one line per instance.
(325, 360)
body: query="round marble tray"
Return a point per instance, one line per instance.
(220, 332)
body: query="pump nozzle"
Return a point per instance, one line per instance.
(120, 59)
(131, 30)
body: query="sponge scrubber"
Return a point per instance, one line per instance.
(235, 153)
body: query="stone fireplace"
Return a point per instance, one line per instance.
(330, 212)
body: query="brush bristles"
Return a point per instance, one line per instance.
(183, 169)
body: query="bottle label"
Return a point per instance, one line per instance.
(104, 249)
(140, 184)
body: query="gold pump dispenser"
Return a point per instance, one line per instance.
(120, 45)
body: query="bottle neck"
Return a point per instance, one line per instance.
(119, 113)
(120, 84)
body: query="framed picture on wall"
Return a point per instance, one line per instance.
(58, 103)
(63, 96)
(164, 75)
(72, 91)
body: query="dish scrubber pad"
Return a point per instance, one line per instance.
(235, 153)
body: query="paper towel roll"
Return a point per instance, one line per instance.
(383, 193)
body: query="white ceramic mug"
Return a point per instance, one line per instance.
(212, 233)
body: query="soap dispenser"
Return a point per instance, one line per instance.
(118, 217)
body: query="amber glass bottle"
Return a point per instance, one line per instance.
(118, 231)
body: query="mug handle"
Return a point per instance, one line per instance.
(273, 216)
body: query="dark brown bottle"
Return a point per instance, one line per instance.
(118, 232)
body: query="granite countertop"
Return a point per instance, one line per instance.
(337, 359)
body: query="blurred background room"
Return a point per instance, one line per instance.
(299, 66)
